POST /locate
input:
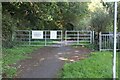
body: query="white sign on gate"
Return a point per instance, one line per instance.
(37, 34)
(53, 34)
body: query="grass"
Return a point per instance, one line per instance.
(80, 43)
(12, 56)
(98, 65)
(118, 65)
(0, 68)
(39, 43)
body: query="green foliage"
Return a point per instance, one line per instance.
(98, 65)
(37, 43)
(118, 17)
(8, 26)
(101, 21)
(45, 15)
(41, 15)
(12, 56)
(10, 71)
(110, 9)
(91, 46)
(118, 64)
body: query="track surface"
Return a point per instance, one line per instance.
(48, 61)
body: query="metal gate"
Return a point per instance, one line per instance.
(25, 38)
(106, 41)
(79, 37)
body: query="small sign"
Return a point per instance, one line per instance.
(37, 34)
(53, 34)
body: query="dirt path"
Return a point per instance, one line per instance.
(48, 61)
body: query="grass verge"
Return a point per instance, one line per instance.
(118, 65)
(12, 56)
(98, 65)
(38, 43)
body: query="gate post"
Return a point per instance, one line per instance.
(29, 37)
(100, 41)
(65, 37)
(78, 37)
(61, 37)
(45, 38)
(92, 37)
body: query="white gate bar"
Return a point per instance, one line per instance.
(100, 41)
(61, 37)
(105, 42)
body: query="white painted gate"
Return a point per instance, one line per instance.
(38, 37)
(79, 37)
(106, 41)
(52, 37)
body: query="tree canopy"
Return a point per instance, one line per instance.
(44, 15)
(56, 15)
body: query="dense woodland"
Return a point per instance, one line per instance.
(56, 16)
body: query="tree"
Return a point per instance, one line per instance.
(101, 22)
(32, 16)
